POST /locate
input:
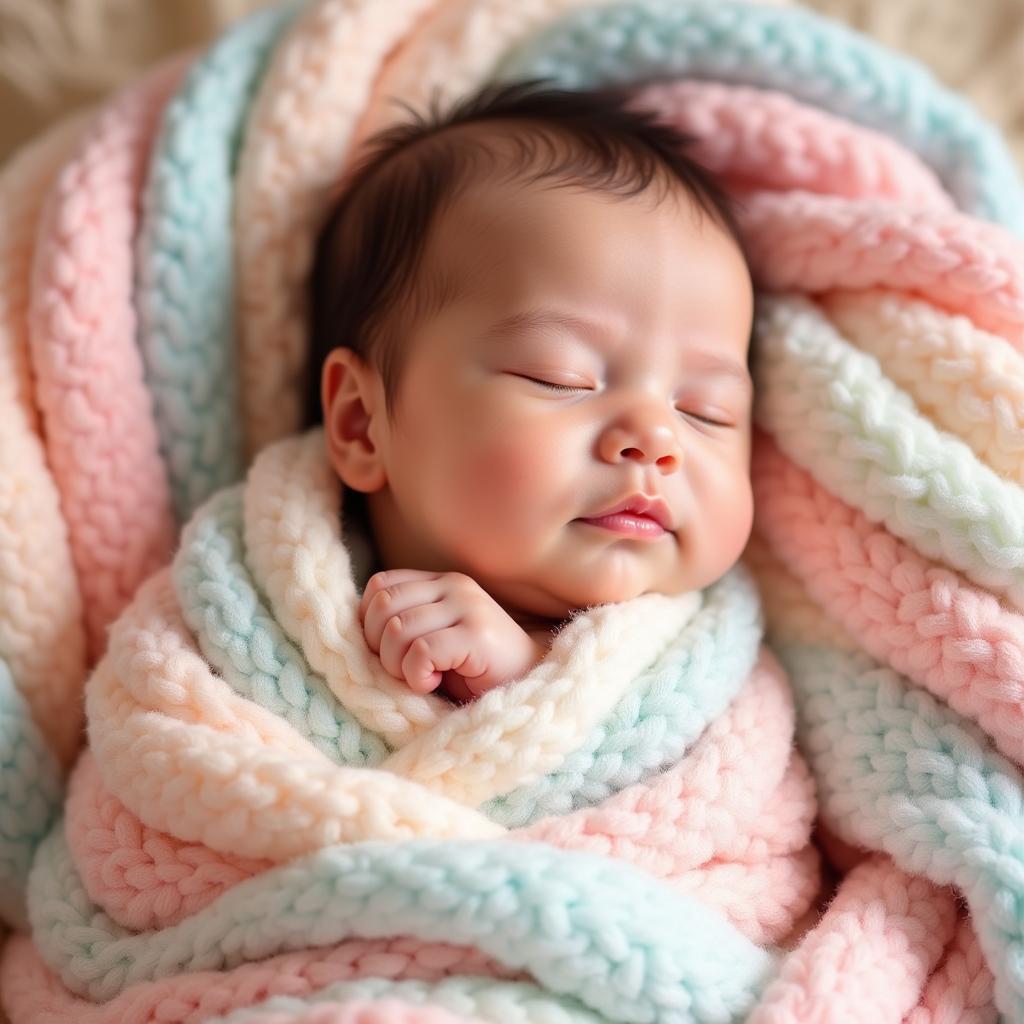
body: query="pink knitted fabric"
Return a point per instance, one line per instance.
(832, 211)
(752, 863)
(870, 956)
(100, 436)
(925, 620)
(42, 639)
(759, 139)
(141, 877)
(38, 995)
(816, 243)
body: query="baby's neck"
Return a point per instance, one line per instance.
(358, 525)
(535, 623)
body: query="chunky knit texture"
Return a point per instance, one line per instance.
(98, 422)
(267, 827)
(184, 267)
(199, 764)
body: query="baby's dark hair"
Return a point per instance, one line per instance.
(367, 280)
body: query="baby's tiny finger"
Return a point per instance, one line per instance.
(453, 648)
(400, 598)
(418, 668)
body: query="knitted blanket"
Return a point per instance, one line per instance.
(264, 826)
(248, 750)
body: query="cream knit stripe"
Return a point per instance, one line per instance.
(243, 643)
(961, 988)
(671, 703)
(255, 791)
(760, 138)
(293, 546)
(516, 734)
(101, 439)
(299, 129)
(951, 638)
(149, 636)
(832, 411)
(143, 878)
(42, 638)
(808, 243)
(36, 994)
(509, 737)
(966, 380)
(158, 668)
(870, 955)
(654, 725)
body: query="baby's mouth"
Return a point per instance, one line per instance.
(629, 524)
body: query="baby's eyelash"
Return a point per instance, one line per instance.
(570, 387)
(558, 387)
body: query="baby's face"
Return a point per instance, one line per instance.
(642, 312)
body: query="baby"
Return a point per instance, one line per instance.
(531, 356)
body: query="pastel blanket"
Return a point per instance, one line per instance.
(633, 798)
(263, 826)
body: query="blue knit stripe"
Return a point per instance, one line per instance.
(899, 771)
(594, 928)
(185, 292)
(31, 792)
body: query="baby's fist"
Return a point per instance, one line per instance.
(429, 628)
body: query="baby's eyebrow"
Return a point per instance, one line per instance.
(540, 317)
(705, 361)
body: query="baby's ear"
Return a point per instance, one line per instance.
(350, 397)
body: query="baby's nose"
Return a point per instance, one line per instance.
(647, 442)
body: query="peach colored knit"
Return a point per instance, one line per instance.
(753, 863)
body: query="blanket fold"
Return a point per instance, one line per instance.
(310, 780)
(265, 825)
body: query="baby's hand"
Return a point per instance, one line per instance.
(429, 626)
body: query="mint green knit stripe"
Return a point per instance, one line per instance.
(833, 411)
(500, 1002)
(184, 274)
(593, 928)
(794, 50)
(690, 685)
(239, 637)
(901, 772)
(653, 726)
(31, 791)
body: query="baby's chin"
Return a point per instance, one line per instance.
(571, 596)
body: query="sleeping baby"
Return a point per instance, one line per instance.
(531, 356)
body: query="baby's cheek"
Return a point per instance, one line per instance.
(730, 521)
(509, 472)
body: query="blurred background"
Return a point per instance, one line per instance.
(56, 55)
